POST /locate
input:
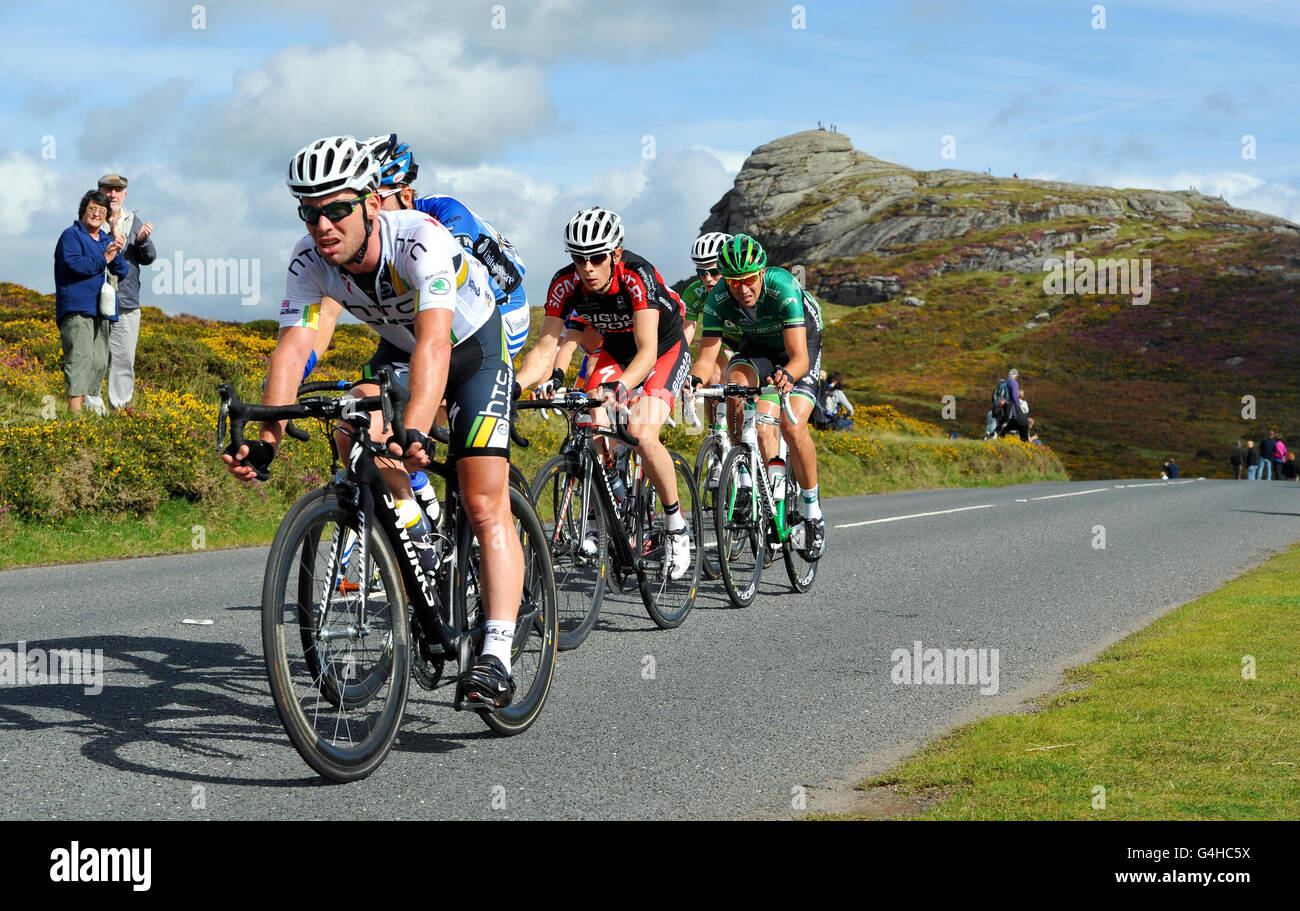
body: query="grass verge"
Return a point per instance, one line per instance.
(1166, 721)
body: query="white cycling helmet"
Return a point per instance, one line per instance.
(704, 251)
(330, 164)
(593, 230)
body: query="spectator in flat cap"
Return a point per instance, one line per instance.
(138, 250)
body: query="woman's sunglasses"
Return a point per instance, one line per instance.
(597, 260)
(335, 211)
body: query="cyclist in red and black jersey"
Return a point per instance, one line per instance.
(623, 299)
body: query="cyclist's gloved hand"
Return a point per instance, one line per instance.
(515, 392)
(259, 456)
(616, 391)
(547, 389)
(782, 380)
(696, 382)
(406, 443)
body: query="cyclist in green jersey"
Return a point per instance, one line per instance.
(780, 326)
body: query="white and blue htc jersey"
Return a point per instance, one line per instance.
(486, 244)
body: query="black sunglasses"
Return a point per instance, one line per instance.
(335, 211)
(597, 260)
(706, 273)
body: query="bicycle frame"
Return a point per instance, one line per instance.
(752, 417)
(581, 441)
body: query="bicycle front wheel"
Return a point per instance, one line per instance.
(574, 527)
(338, 666)
(533, 653)
(667, 600)
(708, 465)
(741, 528)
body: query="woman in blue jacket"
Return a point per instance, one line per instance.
(80, 258)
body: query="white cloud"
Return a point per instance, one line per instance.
(451, 107)
(29, 188)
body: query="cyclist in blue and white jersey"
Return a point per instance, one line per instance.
(485, 243)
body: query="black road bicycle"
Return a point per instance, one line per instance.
(595, 532)
(349, 613)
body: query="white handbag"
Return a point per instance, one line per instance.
(108, 300)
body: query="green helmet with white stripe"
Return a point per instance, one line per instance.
(741, 255)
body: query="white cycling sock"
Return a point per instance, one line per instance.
(673, 517)
(497, 640)
(812, 507)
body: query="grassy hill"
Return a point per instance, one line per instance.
(147, 480)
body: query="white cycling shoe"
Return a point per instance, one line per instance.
(679, 553)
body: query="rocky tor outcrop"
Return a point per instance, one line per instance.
(812, 197)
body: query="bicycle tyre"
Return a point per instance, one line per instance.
(710, 454)
(580, 577)
(667, 600)
(741, 539)
(800, 569)
(356, 733)
(533, 652)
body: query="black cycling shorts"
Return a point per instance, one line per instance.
(480, 378)
(764, 360)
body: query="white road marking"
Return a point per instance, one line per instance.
(1076, 493)
(1022, 501)
(917, 515)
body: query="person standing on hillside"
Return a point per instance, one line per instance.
(1252, 461)
(1266, 446)
(138, 250)
(1279, 458)
(1238, 461)
(82, 254)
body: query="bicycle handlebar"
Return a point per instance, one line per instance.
(735, 390)
(577, 400)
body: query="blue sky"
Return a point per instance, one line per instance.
(529, 122)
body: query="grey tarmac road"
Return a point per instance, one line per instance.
(744, 708)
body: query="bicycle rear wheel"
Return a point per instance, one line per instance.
(708, 463)
(533, 653)
(798, 567)
(578, 557)
(667, 600)
(339, 680)
(741, 530)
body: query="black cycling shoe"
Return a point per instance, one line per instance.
(487, 685)
(815, 537)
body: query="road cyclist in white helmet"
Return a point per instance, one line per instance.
(403, 274)
(613, 298)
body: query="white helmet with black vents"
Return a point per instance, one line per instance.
(704, 251)
(332, 164)
(592, 231)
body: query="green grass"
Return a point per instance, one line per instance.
(176, 526)
(1163, 720)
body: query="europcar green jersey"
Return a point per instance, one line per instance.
(783, 304)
